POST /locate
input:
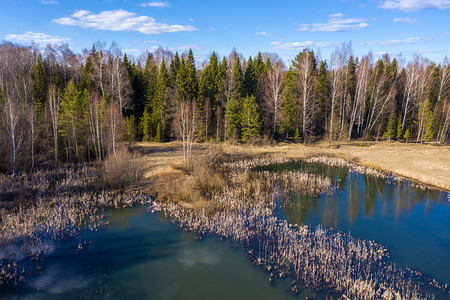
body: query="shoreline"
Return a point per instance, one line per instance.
(427, 165)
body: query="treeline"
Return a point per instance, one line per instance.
(65, 107)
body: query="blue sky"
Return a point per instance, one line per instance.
(285, 27)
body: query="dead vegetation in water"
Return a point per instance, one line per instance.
(46, 205)
(243, 210)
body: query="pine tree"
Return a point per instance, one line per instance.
(407, 134)
(233, 113)
(159, 107)
(72, 120)
(250, 120)
(322, 99)
(40, 85)
(399, 128)
(173, 73)
(187, 78)
(238, 80)
(391, 129)
(150, 78)
(250, 79)
(158, 134)
(145, 125)
(289, 107)
(429, 125)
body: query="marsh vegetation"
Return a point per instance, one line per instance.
(234, 197)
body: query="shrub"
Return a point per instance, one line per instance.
(120, 170)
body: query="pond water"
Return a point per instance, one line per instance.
(139, 255)
(412, 223)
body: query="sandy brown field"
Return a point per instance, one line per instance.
(428, 164)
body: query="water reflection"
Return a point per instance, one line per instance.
(411, 222)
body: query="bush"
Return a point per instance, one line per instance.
(121, 170)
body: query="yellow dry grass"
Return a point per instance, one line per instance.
(428, 164)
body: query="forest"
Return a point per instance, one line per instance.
(57, 106)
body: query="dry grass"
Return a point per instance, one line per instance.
(428, 164)
(121, 171)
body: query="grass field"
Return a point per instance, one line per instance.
(428, 164)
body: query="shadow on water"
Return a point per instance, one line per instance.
(412, 223)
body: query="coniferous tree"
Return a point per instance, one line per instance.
(238, 80)
(145, 125)
(233, 114)
(159, 105)
(250, 120)
(250, 79)
(399, 128)
(322, 99)
(391, 132)
(40, 86)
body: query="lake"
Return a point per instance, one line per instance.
(138, 254)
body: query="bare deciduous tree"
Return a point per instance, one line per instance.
(274, 91)
(186, 123)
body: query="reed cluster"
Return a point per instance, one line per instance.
(62, 202)
(318, 258)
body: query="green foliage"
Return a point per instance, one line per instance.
(145, 126)
(72, 119)
(407, 134)
(250, 79)
(131, 128)
(40, 86)
(158, 134)
(238, 80)
(289, 104)
(322, 100)
(233, 114)
(250, 120)
(187, 78)
(173, 73)
(150, 81)
(399, 128)
(429, 125)
(391, 129)
(297, 136)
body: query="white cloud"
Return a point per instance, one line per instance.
(446, 33)
(413, 5)
(48, 2)
(185, 47)
(38, 38)
(120, 20)
(263, 33)
(211, 29)
(406, 20)
(152, 42)
(301, 45)
(191, 19)
(397, 42)
(336, 22)
(157, 4)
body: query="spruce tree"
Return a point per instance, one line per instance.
(399, 128)
(407, 134)
(322, 99)
(233, 113)
(173, 73)
(250, 120)
(391, 129)
(250, 79)
(238, 80)
(40, 85)
(145, 126)
(429, 125)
